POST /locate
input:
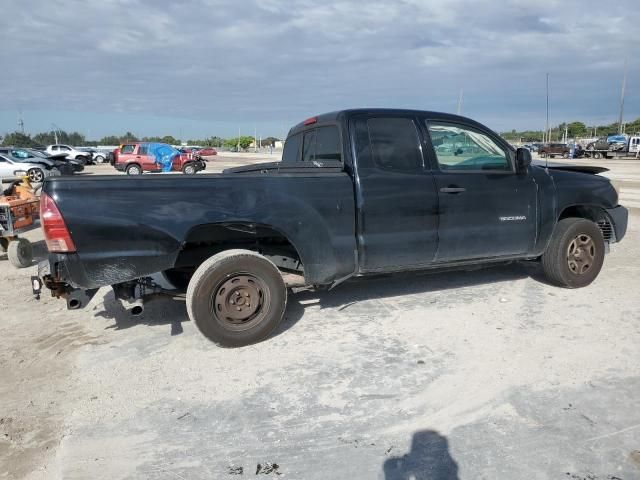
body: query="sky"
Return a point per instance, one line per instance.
(197, 68)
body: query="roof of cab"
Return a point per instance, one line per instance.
(338, 115)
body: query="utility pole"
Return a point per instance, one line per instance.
(20, 123)
(255, 139)
(459, 110)
(624, 86)
(547, 125)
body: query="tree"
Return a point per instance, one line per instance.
(245, 142)
(110, 140)
(18, 139)
(577, 129)
(270, 141)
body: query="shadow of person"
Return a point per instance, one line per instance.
(429, 459)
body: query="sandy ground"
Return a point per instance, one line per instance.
(490, 374)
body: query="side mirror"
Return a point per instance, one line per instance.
(523, 159)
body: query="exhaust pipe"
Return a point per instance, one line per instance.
(136, 308)
(77, 298)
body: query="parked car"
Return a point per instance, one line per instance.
(35, 171)
(28, 155)
(600, 144)
(554, 150)
(207, 152)
(71, 152)
(97, 155)
(134, 159)
(358, 192)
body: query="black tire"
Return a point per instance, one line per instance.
(565, 155)
(99, 159)
(4, 244)
(242, 276)
(20, 253)
(597, 155)
(134, 169)
(578, 269)
(189, 169)
(35, 175)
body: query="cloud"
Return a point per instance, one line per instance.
(279, 61)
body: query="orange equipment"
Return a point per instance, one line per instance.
(19, 208)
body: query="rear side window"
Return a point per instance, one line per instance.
(291, 151)
(395, 144)
(143, 149)
(127, 149)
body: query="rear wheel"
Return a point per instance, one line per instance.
(565, 155)
(236, 298)
(543, 155)
(597, 155)
(20, 252)
(99, 159)
(575, 254)
(134, 170)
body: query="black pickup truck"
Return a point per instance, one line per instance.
(357, 192)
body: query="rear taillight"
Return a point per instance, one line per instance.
(55, 230)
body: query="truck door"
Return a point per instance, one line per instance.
(486, 208)
(634, 144)
(396, 198)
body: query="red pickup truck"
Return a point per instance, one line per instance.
(134, 158)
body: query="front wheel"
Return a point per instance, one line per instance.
(565, 155)
(35, 175)
(236, 298)
(575, 254)
(597, 155)
(189, 169)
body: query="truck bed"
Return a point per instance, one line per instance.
(128, 227)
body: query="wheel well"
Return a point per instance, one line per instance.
(595, 214)
(204, 241)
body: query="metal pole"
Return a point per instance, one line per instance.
(460, 97)
(255, 139)
(238, 146)
(547, 125)
(624, 85)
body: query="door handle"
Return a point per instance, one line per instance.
(453, 190)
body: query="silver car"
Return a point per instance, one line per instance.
(36, 172)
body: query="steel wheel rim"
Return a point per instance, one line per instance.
(134, 171)
(581, 254)
(35, 176)
(189, 170)
(240, 301)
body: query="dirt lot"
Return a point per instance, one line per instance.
(490, 374)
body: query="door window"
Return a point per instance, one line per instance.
(395, 144)
(464, 149)
(143, 150)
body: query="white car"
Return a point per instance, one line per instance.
(36, 172)
(72, 153)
